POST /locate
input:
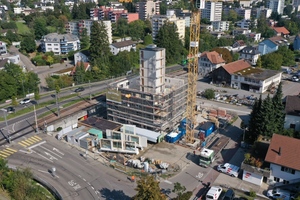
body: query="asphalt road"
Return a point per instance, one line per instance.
(76, 176)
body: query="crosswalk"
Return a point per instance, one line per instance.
(7, 152)
(30, 141)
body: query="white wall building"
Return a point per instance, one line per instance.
(249, 53)
(244, 13)
(3, 48)
(212, 11)
(245, 3)
(220, 25)
(276, 5)
(127, 45)
(209, 61)
(158, 21)
(244, 23)
(147, 9)
(292, 112)
(60, 43)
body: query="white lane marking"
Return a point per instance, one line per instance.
(41, 156)
(54, 149)
(38, 144)
(51, 157)
(13, 127)
(27, 152)
(92, 187)
(50, 151)
(169, 182)
(88, 183)
(83, 179)
(43, 171)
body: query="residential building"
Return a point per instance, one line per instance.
(12, 57)
(127, 45)
(185, 14)
(255, 36)
(3, 63)
(147, 9)
(238, 45)
(3, 48)
(283, 156)
(212, 11)
(244, 23)
(222, 75)
(296, 4)
(112, 13)
(254, 79)
(292, 112)
(76, 27)
(296, 43)
(250, 54)
(220, 25)
(153, 100)
(207, 27)
(276, 6)
(245, 13)
(86, 66)
(81, 56)
(257, 12)
(240, 31)
(60, 43)
(245, 3)
(158, 21)
(209, 61)
(281, 31)
(218, 34)
(272, 44)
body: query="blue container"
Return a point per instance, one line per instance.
(207, 128)
(203, 144)
(173, 137)
(183, 123)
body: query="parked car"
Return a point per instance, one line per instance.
(277, 193)
(295, 79)
(229, 169)
(80, 89)
(10, 109)
(229, 195)
(214, 193)
(25, 101)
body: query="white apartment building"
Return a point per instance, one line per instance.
(212, 11)
(245, 13)
(245, 24)
(220, 25)
(266, 12)
(147, 9)
(245, 3)
(60, 43)
(276, 5)
(296, 4)
(3, 48)
(76, 27)
(158, 21)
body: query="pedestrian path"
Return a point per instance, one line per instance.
(30, 141)
(7, 152)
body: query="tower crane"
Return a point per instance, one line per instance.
(192, 70)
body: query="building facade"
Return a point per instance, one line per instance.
(244, 13)
(152, 101)
(292, 112)
(112, 13)
(158, 21)
(147, 9)
(276, 6)
(209, 61)
(127, 45)
(249, 53)
(212, 11)
(3, 48)
(60, 43)
(220, 25)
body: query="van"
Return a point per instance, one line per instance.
(214, 193)
(229, 195)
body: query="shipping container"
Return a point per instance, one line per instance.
(207, 128)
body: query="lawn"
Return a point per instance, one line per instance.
(22, 28)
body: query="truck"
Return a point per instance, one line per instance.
(207, 155)
(229, 169)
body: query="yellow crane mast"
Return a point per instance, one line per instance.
(192, 71)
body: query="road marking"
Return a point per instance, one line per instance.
(54, 149)
(166, 181)
(88, 183)
(29, 152)
(22, 144)
(43, 171)
(11, 149)
(2, 155)
(13, 127)
(51, 151)
(31, 140)
(83, 179)
(5, 153)
(41, 156)
(38, 144)
(92, 187)
(51, 157)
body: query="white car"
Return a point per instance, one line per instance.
(25, 101)
(277, 193)
(295, 79)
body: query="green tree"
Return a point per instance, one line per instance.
(267, 117)
(178, 189)
(122, 27)
(255, 118)
(99, 57)
(50, 60)
(148, 39)
(168, 38)
(279, 115)
(84, 39)
(28, 44)
(272, 61)
(40, 27)
(75, 11)
(259, 62)
(148, 188)
(79, 77)
(136, 29)
(163, 7)
(209, 93)
(288, 56)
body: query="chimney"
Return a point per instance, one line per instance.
(279, 152)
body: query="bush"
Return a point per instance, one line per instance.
(252, 193)
(186, 195)
(59, 129)
(209, 93)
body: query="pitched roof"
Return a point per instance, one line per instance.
(249, 50)
(86, 65)
(241, 42)
(236, 66)
(292, 105)
(284, 151)
(214, 57)
(278, 40)
(123, 43)
(282, 30)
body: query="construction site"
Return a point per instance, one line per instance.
(152, 100)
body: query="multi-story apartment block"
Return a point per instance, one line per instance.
(220, 25)
(77, 27)
(3, 48)
(245, 3)
(212, 11)
(296, 4)
(112, 13)
(244, 13)
(244, 23)
(257, 12)
(276, 5)
(158, 21)
(185, 14)
(153, 100)
(147, 9)
(60, 43)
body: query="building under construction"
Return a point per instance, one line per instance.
(153, 100)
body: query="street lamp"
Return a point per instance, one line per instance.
(5, 113)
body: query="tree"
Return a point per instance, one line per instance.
(148, 39)
(28, 44)
(279, 115)
(75, 11)
(272, 61)
(148, 188)
(255, 119)
(122, 27)
(50, 60)
(209, 93)
(84, 39)
(168, 38)
(267, 117)
(178, 189)
(39, 27)
(99, 56)
(258, 62)
(288, 56)
(136, 29)
(226, 55)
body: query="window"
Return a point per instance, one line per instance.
(286, 182)
(117, 145)
(235, 77)
(288, 170)
(293, 126)
(276, 179)
(116, 136)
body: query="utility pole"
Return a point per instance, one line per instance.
(90, 90)
(57, 103)
(8, 135)
(36, 124)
